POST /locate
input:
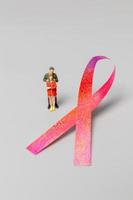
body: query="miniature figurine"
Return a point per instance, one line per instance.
(51, 79)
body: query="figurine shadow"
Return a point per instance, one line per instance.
(104, 107)
(62, 99)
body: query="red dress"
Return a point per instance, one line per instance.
(52, 91)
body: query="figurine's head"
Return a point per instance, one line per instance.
(51, 70)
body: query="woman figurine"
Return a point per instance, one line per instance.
(51, 91)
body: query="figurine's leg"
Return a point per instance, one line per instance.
(53, 99)
(56, 104)
(48, 103)
(51, 103)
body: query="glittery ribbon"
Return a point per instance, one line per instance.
(79, 116)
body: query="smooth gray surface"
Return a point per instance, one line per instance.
(66, 34)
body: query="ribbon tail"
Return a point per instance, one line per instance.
(83, 138)
(53, 133)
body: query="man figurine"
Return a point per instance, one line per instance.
(52, 73)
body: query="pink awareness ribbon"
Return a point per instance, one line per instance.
(79, 116)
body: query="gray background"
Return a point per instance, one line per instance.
(66, 34)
